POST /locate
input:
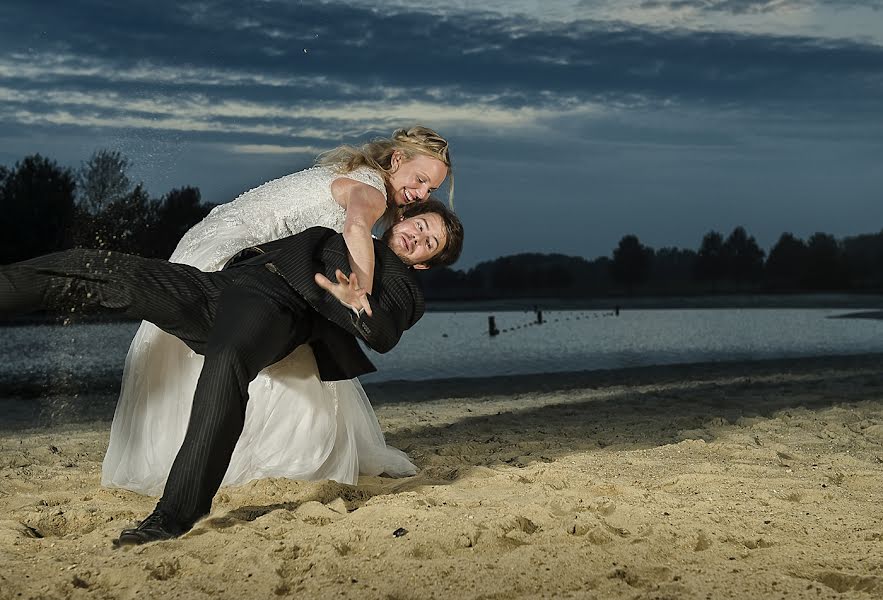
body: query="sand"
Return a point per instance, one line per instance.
(748, 480)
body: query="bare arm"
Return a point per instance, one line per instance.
(364, 205)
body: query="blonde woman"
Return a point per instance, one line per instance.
(296, 426)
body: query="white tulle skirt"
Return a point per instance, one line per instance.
(296, 425)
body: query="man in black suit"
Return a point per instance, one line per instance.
(268, 300)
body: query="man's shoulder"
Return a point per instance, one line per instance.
(398, 281)
(321, 229)
(317, 231)
(314, 235)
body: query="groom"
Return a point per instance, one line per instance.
(268, 300)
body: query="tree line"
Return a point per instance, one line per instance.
(735, 264)
(45, 207)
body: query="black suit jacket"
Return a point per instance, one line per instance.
(396, 300)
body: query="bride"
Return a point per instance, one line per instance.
(296, 425)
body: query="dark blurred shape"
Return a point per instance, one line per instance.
(672, 270)
(787, 263)
(492, 326)
(743, 257)
(864, 255)
(826, 264)
(36, 208)
(102, 181)
(710, 262)
(44, 208)
(178, 211)
(124, 225)
(631, 263)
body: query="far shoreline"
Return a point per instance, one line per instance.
(710, 301)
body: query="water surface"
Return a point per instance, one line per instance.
(445, 345)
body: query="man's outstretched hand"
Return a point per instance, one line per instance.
(347, 291)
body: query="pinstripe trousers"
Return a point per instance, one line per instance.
(241, 320)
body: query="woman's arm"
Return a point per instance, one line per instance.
(364, 205)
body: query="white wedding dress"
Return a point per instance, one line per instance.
(296, 425)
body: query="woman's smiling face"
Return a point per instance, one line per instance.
(413, 180)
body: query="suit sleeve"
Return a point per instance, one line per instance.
(393, 313)
(393, 304)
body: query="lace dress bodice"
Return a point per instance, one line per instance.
(271, 211)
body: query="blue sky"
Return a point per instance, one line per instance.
(572, 123)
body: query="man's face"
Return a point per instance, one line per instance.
(417, 239)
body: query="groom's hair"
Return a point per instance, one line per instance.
(453, 227)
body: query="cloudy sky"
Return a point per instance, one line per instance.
(572, 122)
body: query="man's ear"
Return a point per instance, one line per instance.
(421, 266)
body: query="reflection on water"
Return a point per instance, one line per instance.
(457, 345)
(53, 351)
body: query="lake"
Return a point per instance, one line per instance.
(456, 344)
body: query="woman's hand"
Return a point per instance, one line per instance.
(347, 291)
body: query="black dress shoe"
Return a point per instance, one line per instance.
(156, 527)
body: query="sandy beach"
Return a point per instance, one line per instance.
(736, 480)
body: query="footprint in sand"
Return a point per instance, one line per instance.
(59, 521)
(10, 529)
(843, 582)
(316, 513)
(513, 530)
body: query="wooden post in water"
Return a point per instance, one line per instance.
(539, 317)
(492, 326)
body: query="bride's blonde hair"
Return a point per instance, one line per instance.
(377, 153)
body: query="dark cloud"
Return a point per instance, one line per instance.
(729, 6)
(608, 127)
(739, 7)
(311, 51)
